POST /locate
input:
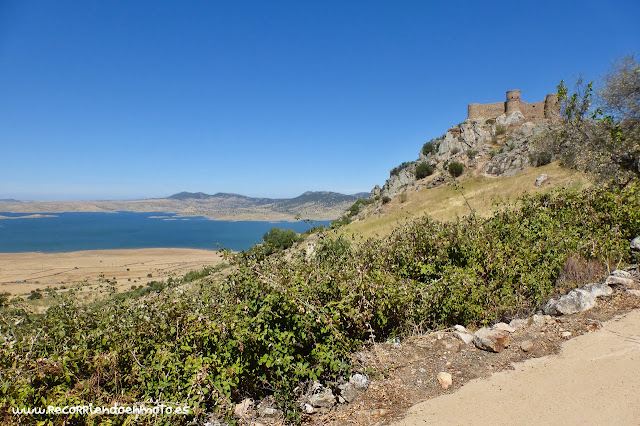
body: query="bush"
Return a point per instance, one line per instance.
(455, 150)
(358, 206)
(540, 158)
(471, 154)
(396, 170)
(430, 147)
(4, 298)
(386, 199)
(455, 168)
(500, 130)
(280, 239)
(423, 170)
(344, 220)
(35, 295)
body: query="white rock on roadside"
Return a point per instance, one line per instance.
(577, 300)
(360, 381)
(504, 326)
(491, 340)
(325, 399)
(445, 380)
(527, 346)
(518, 323)
(465, 337)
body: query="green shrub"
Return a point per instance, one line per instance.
(423, 170)
(280, 239)
(455, 168)
(540, 158)
(500, 130)
(35, 295)
(471, 154)
(430, 147)
(4, 298)
(358, 206)
(490, 122)
(396, 170)
(455, 150)
(386, 199)
(344, 220)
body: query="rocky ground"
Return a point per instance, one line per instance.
(424, 366)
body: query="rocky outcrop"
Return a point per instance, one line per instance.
(399, 182)
(504, 140)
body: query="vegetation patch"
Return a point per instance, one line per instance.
(286, 319)
(423, 170)
(455, 168)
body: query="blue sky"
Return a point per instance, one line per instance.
(133, 99)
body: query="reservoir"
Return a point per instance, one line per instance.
(62, 232)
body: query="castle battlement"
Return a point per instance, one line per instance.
(549, 109)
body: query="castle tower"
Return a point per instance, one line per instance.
(513, 101)
(552, 108)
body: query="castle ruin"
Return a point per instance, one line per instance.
(549, 109)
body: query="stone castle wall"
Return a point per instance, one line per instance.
(545, 110)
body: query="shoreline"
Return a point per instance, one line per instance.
(225, 216)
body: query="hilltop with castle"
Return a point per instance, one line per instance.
(494, 140)
(549, 109)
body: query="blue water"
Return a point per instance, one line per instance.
(95, 231)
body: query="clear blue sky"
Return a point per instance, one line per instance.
(132, 99)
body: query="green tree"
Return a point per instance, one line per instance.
(456, 169)
(600, 133)
(280, 239)
(423, 170)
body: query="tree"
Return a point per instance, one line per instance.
(456, 168)
(280, 239)
(423, 170)
(600, 132)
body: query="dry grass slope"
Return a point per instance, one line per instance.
(448, 202)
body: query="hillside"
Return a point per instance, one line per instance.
(497, 159)
(447, 202)
(319, 205)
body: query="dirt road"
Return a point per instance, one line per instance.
(595, 380)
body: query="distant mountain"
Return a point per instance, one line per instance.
(8, 200)
(320, 197)
(315, 205)
(189, 196)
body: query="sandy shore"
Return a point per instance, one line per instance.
(20, 273)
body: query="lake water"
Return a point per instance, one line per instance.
(127, 230)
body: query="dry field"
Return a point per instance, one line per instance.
(20, 273)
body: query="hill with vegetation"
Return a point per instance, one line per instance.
(283, 325)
